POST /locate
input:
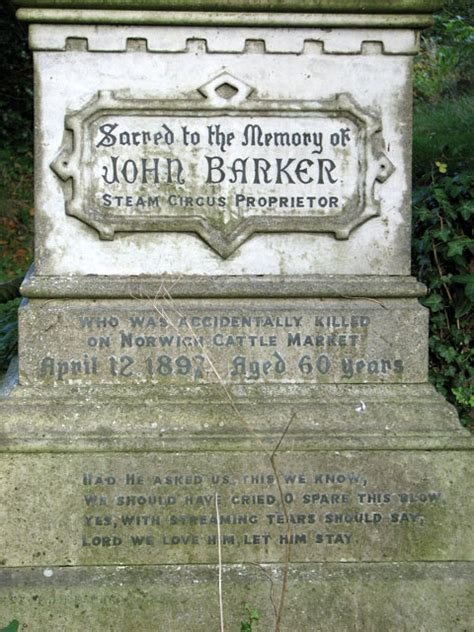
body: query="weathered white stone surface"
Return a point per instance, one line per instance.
(68, 80)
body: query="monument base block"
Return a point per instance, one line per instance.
(338, 499)
(318, 597)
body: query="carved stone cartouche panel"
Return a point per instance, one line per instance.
(222, 164)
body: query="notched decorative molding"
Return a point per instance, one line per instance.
(137, 45)
(77, 44)
(372, 48)
(266, 166)
(178, 40)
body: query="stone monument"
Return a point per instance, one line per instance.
(221, 397)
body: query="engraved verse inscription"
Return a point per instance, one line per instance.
(176, 512)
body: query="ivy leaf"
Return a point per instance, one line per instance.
(463, 308)
(467, 209)
(469, 289)
(254, 615)
(468, 281)
(462, 398)
(457, 246)
(11, 627)
(434, 302)
(448, 353)
(443, 234)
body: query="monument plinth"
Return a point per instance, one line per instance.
(222, 375)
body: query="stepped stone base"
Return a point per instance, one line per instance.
(114, 507)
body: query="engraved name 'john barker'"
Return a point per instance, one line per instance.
(222, 165)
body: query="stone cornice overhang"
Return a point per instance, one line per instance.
(288, 13)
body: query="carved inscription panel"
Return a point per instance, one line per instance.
(194, 342)
(222, 165)
(174, 508)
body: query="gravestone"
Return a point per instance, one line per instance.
(221, 396)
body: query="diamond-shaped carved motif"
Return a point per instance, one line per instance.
(226, 87)
(226, 90)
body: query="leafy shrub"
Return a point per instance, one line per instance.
(443, 258)
(445, 66)
(16, 87)
(16, 140)
(443, 205)
(16, 212)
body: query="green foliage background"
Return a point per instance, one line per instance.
(443, 205)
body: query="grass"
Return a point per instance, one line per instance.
(444, 132)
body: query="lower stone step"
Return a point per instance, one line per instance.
(326, 597)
